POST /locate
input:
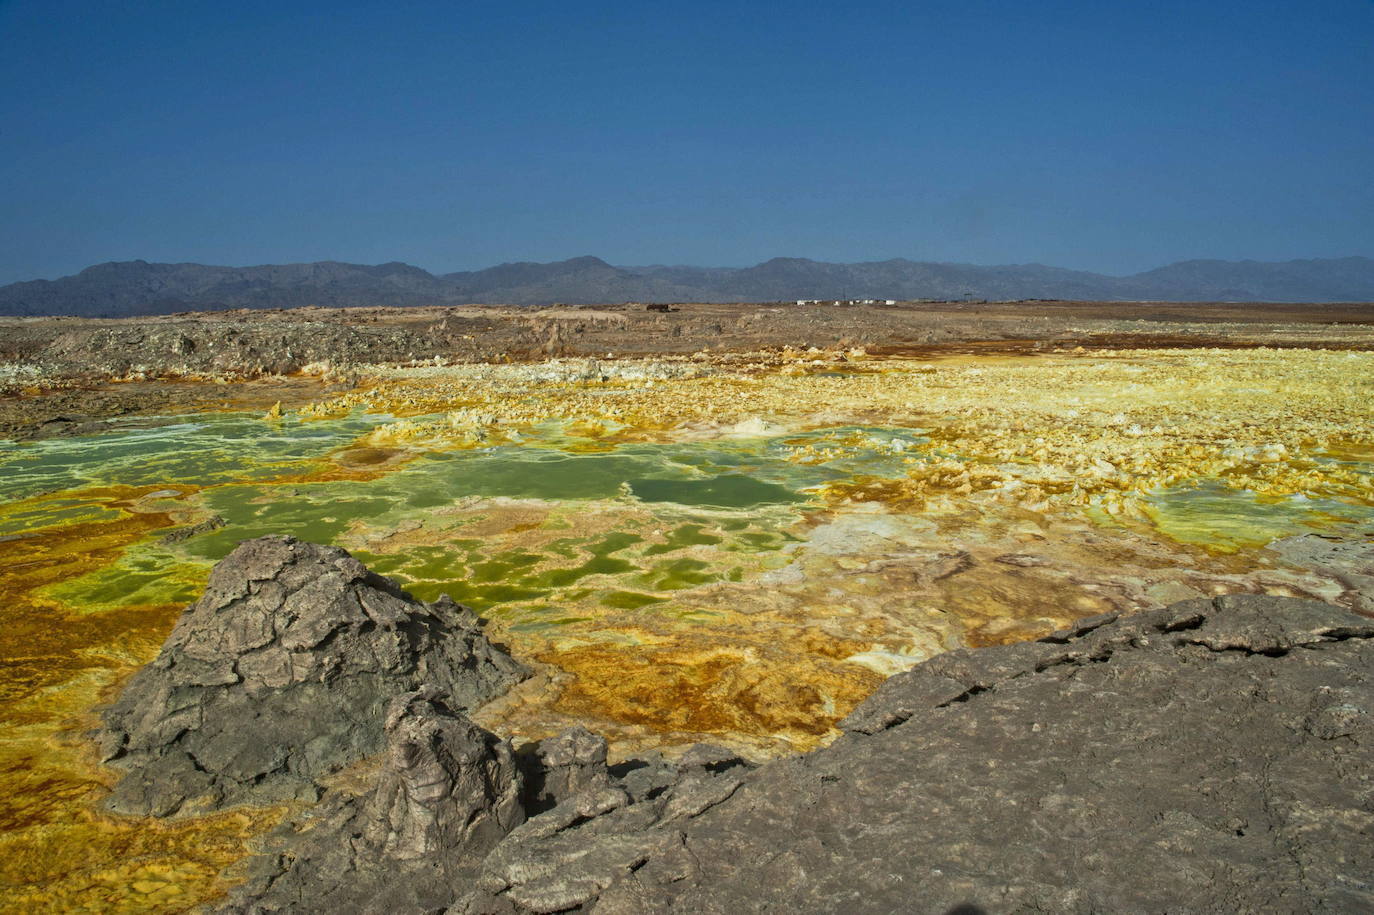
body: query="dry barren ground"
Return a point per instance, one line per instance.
(61, 375)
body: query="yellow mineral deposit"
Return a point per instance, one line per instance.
(57, 853)
(1067, 426)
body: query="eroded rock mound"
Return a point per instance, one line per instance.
(562, 766)
(570, 855)
(445, 823)
(282, 672)
(447, 793)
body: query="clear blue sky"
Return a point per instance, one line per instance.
(1111, 136)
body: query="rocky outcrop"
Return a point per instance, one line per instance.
(447, 786)
(447, 793)
(1211, 756)
(570, 855)
(562, 766)
(281, 673)
(182, 534)
(225, 348)
(445, 827)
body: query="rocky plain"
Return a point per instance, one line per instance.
(1155, 725)
(76, 373)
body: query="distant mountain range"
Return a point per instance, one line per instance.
(141, 288)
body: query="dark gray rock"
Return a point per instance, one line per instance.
(570, 855)
(448, 786)
(182, 534)
(447, 792)
(1211, 756)
(445, 823)
(562, 766)
(281, 673)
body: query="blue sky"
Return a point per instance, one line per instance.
(1105, 136)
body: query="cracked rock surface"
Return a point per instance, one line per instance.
(1212, 756)
(447, 792)
(281, 673)
(1350, 563)
(444, 825)
(567, 857)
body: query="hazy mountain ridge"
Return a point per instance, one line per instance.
(142, 288)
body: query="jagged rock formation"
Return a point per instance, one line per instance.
(447, 792)
(570, 855)
(1211, 756)
(562, 766)
(445, 826)
(448, 786)
(281, 673)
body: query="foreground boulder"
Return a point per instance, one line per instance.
(1211, 756)
(281, 673)
(560, 767)
(446, 817)
(446, 794)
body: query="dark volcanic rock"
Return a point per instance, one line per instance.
(558, 768)
(447, 792)
(182, 534)
(1212, 756)
(572, 854)
(281, 673)
(448, 785)
(445, 823)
